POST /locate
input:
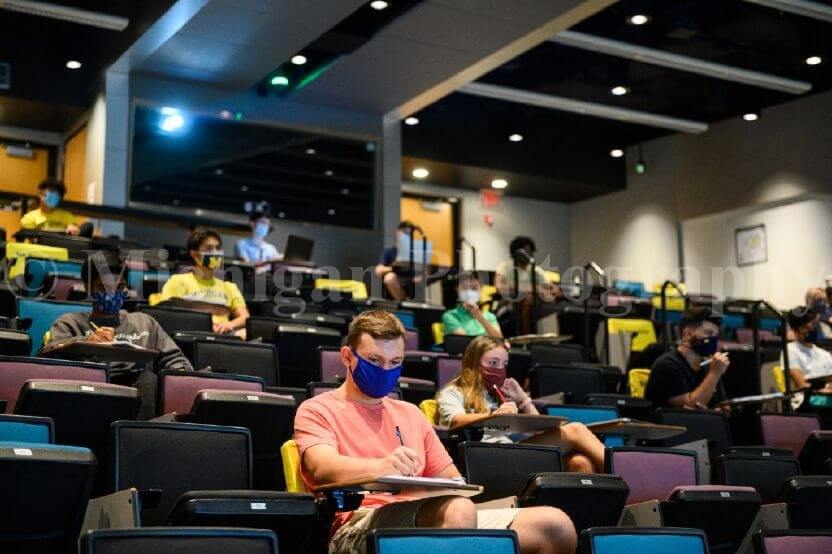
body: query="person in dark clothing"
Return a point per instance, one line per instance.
(103, 276)
(688, 376)
(397, 281)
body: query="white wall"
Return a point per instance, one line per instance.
(546, 222)
(632, 233)
(798, 253)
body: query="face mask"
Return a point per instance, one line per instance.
(820, 306)
(471, 296)
(811, 336)
(108, 303)
(261, 230)
(52, 198)
(492, 377)
(212, 260)
(705, 347)
(372, 380)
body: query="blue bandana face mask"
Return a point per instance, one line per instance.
(372, 380)
(52, 198)
(109, 303)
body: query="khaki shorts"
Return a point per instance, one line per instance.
(352, 536)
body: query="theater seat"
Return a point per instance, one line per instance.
(505, 469)
(816, 455)
(176, 390)
(575, 382)
(447, 369)
(43, 314)
(179, 319)
(15, 343)
(45, 492)
(238, 358)
(291, 467)
(652, 473)
(765, 469)
(615, 540)
(23, 428)
(411, 339)
(787, 431)
(792, 541)
(15, 371)
(808, 499)
(182, 540)
(457, 541)
(330, 367)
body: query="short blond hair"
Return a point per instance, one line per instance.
(378, 324)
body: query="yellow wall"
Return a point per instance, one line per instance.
(20, 175)
(75, 157)
(438, 226)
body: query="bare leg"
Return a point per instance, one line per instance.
(578, 463)
(394, 287)
(450, 512)
(545, 530)
(574, 439)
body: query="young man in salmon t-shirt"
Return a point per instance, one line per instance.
(356, 432)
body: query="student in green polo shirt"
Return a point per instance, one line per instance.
(467, 318)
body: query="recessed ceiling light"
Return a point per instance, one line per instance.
(453, 199)
(311, 151)
(411, 121)
(244, 188)
(814, 60)
(329, 173)
(617, 153)
(638, 19)
(516, 137)
(499, 183)
(345, 191)
(73, 64)
(299, 59)
(281, 215)
(751, 116)
(420, 172)
(218, 171)
(379, 5)
(175, 201)
(330, 212)
(225, 114)
(280, 81)
(619, 90)
(199, 211)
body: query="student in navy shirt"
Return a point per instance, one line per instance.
(396, 280)
(256, 250)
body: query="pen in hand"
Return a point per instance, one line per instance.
(500, 394)
(401, 441)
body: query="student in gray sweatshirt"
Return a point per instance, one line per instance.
(104, 277)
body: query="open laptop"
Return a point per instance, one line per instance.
(298, 249)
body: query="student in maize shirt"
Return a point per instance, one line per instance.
(201, 285)
(357, 432)
(48, 216)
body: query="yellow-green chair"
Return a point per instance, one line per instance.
(291, 467)
(430, 409)
(637, 381)
(644, 333)
(780, 379)
(17, 252)
(553, 277)
(674, 300)
(438, 331)
(356, 288)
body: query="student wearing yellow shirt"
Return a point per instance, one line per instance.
(201, 285)
(48, 216)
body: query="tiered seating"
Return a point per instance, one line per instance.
(183, 540)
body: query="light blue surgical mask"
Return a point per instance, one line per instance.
(261, 230)
(471, 296)
(52, 198)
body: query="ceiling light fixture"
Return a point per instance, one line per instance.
(311, 151)
(172, 120)
(617, 153)
(379, 5)
(806, 8)
(638, 19)
(420, 173)
(73, 64)
(814, 60)
(330, 212)
(65, 13)
(329, 173)
(299, 59)
(619, 90)
(499, 183)
(280, 81)
(225, 114)
(751, 116)
(411, 121)
(516, 137)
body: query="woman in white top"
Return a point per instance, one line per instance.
(482, 388)
(806, 360)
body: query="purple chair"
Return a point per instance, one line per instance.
(788, 432)
(792, 541)
(446, 370)
(15, 371)
(746, 336)
(331, 368)
(411, 340)
(652, 473)
(178, 389)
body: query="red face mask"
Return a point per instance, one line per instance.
(493, 376)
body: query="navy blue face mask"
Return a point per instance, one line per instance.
(109, 303)
(705, 347)
(372, 380)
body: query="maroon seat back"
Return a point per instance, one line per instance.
(411, 340)
(796, 542)
(787, 431)
(652, 474)
(331, 367)
(15, 372)
(746, 336)
(177, 389)
(446, 370)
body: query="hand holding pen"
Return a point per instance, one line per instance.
(402, 461)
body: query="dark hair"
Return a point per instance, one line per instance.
(376, 323)
(406, 225)
(97, 262)
(800, 316)
(467, 275)
(52, 183)
(259, 214)
(198, 236)
(696, 316)
(518, 243)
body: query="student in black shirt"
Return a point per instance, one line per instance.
(688, 375)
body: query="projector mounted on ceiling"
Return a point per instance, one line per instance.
(65, 13)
